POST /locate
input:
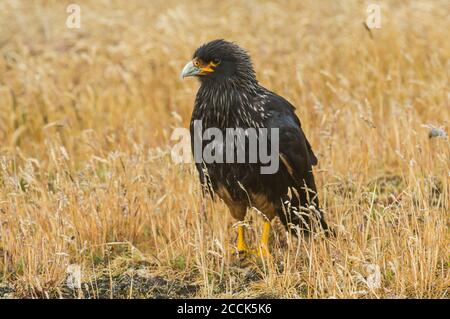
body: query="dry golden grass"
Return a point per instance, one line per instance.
(86, 177)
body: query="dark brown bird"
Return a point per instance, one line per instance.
(231, 97)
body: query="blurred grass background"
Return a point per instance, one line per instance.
(85, 122)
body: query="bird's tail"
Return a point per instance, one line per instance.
(301, 212)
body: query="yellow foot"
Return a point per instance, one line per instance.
(242, 253)
(263, 252)
(241, 245)
(260, 253)
(263, 249)
(242, 248)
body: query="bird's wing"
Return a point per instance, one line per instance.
(295, 149)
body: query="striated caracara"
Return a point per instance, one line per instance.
(231, 97)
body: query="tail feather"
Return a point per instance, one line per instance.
(301, 210)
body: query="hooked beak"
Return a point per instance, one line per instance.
(190, 70)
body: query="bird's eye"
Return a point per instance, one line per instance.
(216, 61)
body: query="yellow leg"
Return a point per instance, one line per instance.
(241, 245)
(263, 250)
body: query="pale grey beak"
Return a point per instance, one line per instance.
(190, 70)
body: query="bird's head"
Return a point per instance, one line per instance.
(219, 61)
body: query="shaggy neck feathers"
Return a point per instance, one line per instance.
(227, 105)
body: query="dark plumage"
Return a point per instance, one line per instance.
(230, 97)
